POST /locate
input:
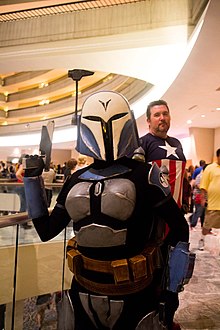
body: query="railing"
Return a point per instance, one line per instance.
(28, 267)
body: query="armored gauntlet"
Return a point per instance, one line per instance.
(34, 187)
(181, 265)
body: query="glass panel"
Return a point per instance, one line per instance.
(28, 267)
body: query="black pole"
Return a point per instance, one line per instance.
(15, 279)
(76, 105)
(64, 262)
(77, 75)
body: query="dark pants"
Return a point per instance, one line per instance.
(2, 316)
(199, 213)
(49, 195)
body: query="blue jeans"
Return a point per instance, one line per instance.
(199, 210)
(21, 193)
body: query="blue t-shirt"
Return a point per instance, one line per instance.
(196, 172)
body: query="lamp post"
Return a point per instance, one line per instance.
(77, 75)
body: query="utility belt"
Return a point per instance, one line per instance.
(129, 275)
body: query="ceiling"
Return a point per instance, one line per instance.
(193, 93)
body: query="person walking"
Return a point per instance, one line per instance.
(210, 187)
(198, 169)
(199, 211)
(186, 197)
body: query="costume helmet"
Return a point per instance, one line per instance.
(107, 129)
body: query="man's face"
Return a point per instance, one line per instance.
(159, 122)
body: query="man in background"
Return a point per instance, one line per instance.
(202, 163)
(163, 149)
(210, 186)
(167, 152)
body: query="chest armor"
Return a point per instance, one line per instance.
(117, 198)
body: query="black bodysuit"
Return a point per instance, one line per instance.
(113, 208)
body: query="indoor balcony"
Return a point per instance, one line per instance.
(28, 267)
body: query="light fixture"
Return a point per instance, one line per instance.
(6, 96)
(6, 112)
(43, 84)
(43, 102)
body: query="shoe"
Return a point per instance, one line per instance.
(201, 244)
(176, 326)
(26, 226)
(211, 233)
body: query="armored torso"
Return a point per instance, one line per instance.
(105, 209)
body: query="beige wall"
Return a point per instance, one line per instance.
(59, 156)
(202, 144)
(217, 139)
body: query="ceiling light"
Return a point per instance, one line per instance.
(218, 109)
(189, 121)
(43, 102)
(43, 84)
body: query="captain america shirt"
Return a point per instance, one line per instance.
(169, 156)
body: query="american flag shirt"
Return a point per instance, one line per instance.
(169, 156)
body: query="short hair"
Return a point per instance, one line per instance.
(82, 160)
(218, 152)
(202, 162)
(71, 163)
(152, 104)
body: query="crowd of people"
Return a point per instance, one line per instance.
(15, 172)
(8, 169)
(203, 184)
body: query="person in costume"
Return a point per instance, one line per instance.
(121, 280)
(163, 149)
(167, 152)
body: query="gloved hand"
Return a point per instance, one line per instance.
(178, 266)
(34, 165)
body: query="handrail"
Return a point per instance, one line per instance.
(21, 217)
(15, 183)
(15, 219)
